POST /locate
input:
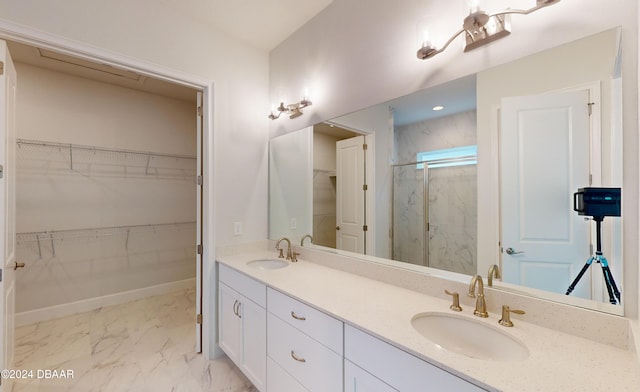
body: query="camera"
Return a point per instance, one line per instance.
(597, 202)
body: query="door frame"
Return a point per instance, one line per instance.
(24, 35)
(370, 194)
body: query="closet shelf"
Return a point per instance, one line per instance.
(95, 232)
(35, 155)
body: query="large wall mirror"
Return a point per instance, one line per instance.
(475, 172)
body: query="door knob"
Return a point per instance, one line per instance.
(511, 251)
(18, 265)
(337, 227)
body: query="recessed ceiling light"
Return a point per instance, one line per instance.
(438, 107)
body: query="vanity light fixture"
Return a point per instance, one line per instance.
(294, 110)
(481, 28)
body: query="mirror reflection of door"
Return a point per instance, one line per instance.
(350, 195)
(326, 138)
(544, 149)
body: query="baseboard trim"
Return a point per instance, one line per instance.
(52, 312)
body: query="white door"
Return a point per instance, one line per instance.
(544, 154)
(7, 208)
(350, 208)
(199, 178)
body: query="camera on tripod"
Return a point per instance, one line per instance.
(597, 202)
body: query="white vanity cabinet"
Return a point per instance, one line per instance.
(357, 379)
(305, 347)
(393, 368)
(242, 323)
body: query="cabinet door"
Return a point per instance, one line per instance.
(358, 380)
(229, 323)
(254, 342)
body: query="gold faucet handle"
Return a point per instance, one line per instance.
(506, 315)
(281, 255)
(294, 257)
(456, 301)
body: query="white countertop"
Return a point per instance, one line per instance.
(557, 361)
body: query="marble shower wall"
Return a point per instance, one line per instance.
(452, 196)
(324, 208)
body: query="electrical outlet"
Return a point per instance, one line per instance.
(237, 228)
(293, 223)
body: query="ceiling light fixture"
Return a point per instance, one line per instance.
(481, 28)
(294, 110)
(437, 108)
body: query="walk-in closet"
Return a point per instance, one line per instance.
(106, 186)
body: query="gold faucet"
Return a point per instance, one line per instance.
(281, 255)
(494, 272)
(305, 237)
(506, 315)
(481, 304)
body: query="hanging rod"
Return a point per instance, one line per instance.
(60, 235)
(26, 142)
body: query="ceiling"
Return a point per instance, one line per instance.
(456, 96)
(70, 65)
(261, 23)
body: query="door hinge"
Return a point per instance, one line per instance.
(365, 228)
(199, 180)
(365, 187)
(590, 106)
(198, 318)
(1, 67)
(1, 171)
(199, 249)
(199, 111)
(590, 179)
(364, 146)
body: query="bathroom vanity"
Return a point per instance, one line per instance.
(307, 327)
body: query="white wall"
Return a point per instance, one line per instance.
(56, 107)
(151, 32)
(367, 56)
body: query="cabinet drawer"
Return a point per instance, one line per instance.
(243, 284)
(321, 327)
(313, 365)
(397, 368)
(280, 381)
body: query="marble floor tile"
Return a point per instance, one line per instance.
(144, 345)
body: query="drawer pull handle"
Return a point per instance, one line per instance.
(236, 308)
(297, 358)
(295, 316)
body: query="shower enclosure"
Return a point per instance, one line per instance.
(434, 214)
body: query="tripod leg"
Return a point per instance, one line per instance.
(611, 284)
(572, 286)
(607, 281)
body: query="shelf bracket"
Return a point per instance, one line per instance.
(146, 170)
(39, 247)
(126, 243)
(53, 248)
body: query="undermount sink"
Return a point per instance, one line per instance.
(469, 337)
(268, 264)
